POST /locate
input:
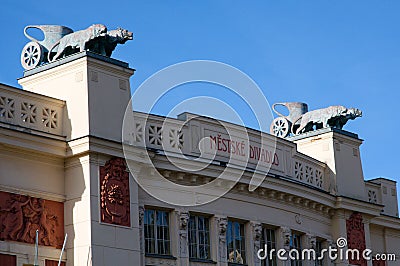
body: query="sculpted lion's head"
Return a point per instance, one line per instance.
(120, 35)
(98, 30)
(354, 112)
(127, 35)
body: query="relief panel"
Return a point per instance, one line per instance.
(114, 193)
(21, 216)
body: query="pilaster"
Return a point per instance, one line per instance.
(255, 243)
(283, 242)
(183, 235)
(221, 225)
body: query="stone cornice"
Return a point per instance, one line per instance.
(33, 141)
(32, 95)
(325, 133)
(96, 145)
(82, 56)
(33, 193)
(276, 189)
(56, 70)
(109, 68)
(386, 221)
(358, 206)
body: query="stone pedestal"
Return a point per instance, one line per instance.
(101, 207)
(340, 151)
(96, 90)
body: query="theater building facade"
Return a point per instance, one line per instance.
(66, 168)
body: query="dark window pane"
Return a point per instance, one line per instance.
(198, 237)
(156, 232)
(236, 242)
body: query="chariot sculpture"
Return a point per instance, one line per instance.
(300, 120)
(61, 41)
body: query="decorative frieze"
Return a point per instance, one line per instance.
(31, 112)
(7, 107)
(138, 133)
(154, 135)
(307, 173)
(189, 136)
(21, 216)
(372, 197)
(176, 138)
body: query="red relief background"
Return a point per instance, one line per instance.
(356, 237)
(53, 263)
(21, 216)
(114, 193)
(8, 260)
(378, 263)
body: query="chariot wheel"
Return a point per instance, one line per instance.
(32, 55)
(280, 127)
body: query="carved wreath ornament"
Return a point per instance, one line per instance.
(114, 193)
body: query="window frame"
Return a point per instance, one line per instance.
(207, 239)
(243, 241)
(318, 251)
(296, 238)
(166, 241)
(269, 261)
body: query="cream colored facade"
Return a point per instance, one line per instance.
(316, 186)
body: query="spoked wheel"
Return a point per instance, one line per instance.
(32, 55)
(280, 127)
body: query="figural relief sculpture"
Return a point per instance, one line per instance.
(114, 193)
(222, 227)
(356, 237)
(21, 216)
(300, 120)
(286, 234)
(183, 233)
(257, 237)
(60, 41)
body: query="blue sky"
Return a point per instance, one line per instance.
(320, 52)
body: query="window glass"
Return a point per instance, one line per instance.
(268, 238)
(199, 237)
(318, 247)
(235, 240)
(156, 232)
(295, 243)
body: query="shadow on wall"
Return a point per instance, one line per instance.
(77, 208)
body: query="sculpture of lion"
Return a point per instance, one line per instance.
(333, 116)
(76, 40)
(106, 44)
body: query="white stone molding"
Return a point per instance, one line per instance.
(32, 111)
